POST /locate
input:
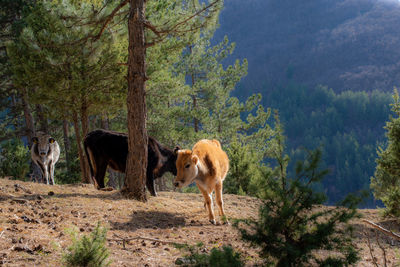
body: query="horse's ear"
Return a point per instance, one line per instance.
(195, 159)
(35, 140)
(177, 148)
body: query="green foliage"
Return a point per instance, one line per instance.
(89, 251)
(225, 257)
(69, 74)
(386, 183)
(68, 174)
(291, 227)
(14, 159)
(245, 170)
(196, 90)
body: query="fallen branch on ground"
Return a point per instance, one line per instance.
(380, 228)
(124, 240)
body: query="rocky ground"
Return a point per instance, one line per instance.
(36, 221)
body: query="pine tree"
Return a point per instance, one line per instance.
(70, 78)
(290, 227)
(386, 183)
(89, 251)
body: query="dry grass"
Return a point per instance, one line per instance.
(34, 225)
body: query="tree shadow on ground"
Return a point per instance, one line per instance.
(115, 195)
(151, 220)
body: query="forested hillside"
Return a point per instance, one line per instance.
(345, 44)
(329, 68)
(347, 126)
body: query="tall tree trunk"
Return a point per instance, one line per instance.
(195, 120)
(136, 164)
(80, 150)
(67, 145)
(42, 120)
(30, 125)
(35, 175)
(84, 117)
(85, 130)
(104, 121)
(113, 176)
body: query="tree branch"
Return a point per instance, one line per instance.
(148, 25)
(383, 230)
(196, 14)
(109, 18)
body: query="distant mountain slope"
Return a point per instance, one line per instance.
(344, 44)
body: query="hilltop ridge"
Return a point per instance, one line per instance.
(345, 44)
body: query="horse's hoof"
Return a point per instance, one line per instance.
(213, 222)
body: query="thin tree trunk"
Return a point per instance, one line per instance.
(42, 120)
(80, 150)
(136, 164)
(104, 122)
(84, 117)
(113, 176)
(15, 110)
(67, 145)
(30, 125)
(195, 120)
(35, 175)
(85, 130)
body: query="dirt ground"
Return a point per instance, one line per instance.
(35, 221)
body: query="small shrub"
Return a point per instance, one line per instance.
(191, 189)
(89, 251)
(69, 174)
(225, 257)
(14, 159)
(245, 170)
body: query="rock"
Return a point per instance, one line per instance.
(19, 200)
(23, 248)
(183, 261)
(18, 187)
(28, 220)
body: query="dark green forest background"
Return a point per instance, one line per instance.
(330, 68)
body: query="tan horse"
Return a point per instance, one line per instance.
(207, 165)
